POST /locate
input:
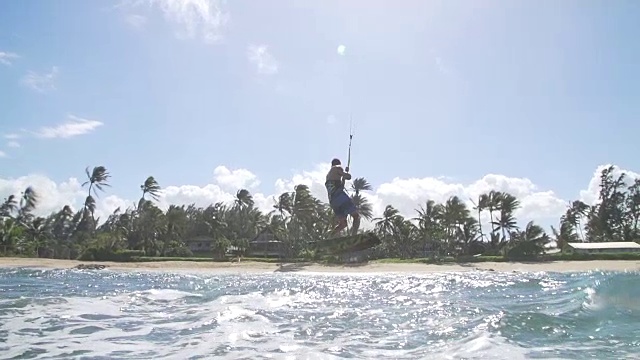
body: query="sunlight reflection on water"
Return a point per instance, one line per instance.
(47, 313)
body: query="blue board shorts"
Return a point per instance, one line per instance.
(342, 205)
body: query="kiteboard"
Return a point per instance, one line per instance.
(349, 243)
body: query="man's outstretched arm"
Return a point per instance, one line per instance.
(345, 174)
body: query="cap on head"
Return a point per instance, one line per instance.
(335, 162)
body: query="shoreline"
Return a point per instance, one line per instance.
(246, 267)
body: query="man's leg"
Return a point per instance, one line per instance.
(341, 216)
(342, 223)
(340, 210)
(350, 208)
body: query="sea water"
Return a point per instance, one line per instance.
(80, 314)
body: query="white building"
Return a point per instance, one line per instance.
(603, 247)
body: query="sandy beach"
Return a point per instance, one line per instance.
(377, 267)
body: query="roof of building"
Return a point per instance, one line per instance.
(267, 229)
(606, 245)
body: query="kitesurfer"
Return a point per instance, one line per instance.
(339, 200)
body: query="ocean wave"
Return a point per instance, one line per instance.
(473, 315)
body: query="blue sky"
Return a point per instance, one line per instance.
(539, 90)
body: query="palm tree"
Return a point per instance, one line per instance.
(483, 204)
(385, 222)
(429, 214)
(404, 238)
(365, 209)
(360, 184)
(38, 235)
(243, 199)
(429, 228)
(360, 202)
(28, 203)
(10, 234)
(151, 187)
(468, 235)
(9, 206)
(283, 205)
(506, 222)
(565, 234)
(579, 210)
(492, 202)
(97, 178)
(303, 209)
(62, 229)
(151, 224)
(530, 242)
(454, 211)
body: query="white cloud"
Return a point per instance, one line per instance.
(51, 196)
(73, 127)
(6, 57)
(341, 49)
(2, 154)
(590, 195)
(331, 119)
(193, 18)
(41, 82)
(235, 179)
(188, 194)
(260, 56)
(136, 21)
(407, 195)
(13, 144)
(12, 136)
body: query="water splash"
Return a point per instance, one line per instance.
(474, 315)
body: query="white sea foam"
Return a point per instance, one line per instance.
(476, 315)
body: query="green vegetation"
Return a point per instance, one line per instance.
(439, 233)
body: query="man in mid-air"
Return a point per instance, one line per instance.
(340, 202)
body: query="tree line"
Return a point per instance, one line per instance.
(298, 218)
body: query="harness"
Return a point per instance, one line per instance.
(334, 187)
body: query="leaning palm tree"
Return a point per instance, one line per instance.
(97, 178)
(385, 223)
(529, 242)
(303, 207)
(9, 206)
(565, 233)
(506, 222)
(90, 204)
(29, 200)
(283, 205)
(580, 211)
(243, 199)
(360, 184)
(28, 203)
(363, 205)
(151, 187)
